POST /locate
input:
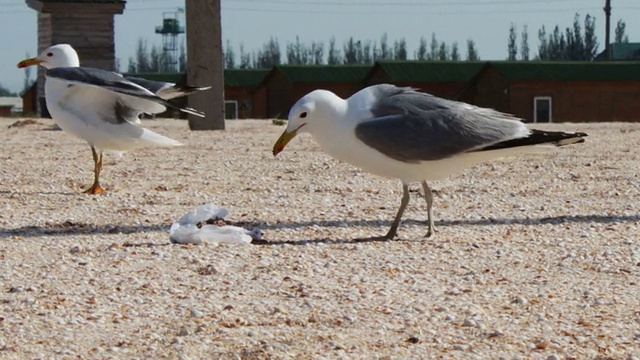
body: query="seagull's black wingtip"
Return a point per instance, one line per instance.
(541, 137)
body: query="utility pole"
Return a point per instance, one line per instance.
(204, 63)
(607, 47)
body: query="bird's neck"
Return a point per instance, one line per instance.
(332, 133)
(54, 90)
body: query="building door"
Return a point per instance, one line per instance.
(542, 109)
(230, 109)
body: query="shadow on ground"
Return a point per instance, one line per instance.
(9, 192)
(553, 220)
(73, 228)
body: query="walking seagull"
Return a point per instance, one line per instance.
(399, 132)
(103, 107)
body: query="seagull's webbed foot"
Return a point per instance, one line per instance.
(95, 189)
(391, 234)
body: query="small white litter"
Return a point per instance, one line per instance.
(186, 231)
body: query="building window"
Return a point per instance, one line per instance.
(542, 109)
(230, 109)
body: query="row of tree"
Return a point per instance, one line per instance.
(153, 59)
(352, 51)
(578, 42)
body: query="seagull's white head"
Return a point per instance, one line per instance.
(309, 114)
(61, 55)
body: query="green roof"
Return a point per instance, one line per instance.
(232, 78)
(430, 71)
(568, 71)
(244, 77)
(324, 73)
(622, 51)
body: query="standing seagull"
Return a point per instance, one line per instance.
(398, 132)
(103, 107)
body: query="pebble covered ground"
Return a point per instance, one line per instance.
(535, 257)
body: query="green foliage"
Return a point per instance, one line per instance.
(301, 54)
(433, 49)
(400, 49)
(269, 55)
(443, 52)
(620, 36)
(317, 53)
(421, 53)
(229, 56)
(385, 51)
(6, 92)
(524, 44)
(245, 58)
(472, 52)
(297, 53)
(590, 39)
(154, 59)
(512, 47)
(455, 53)
(367, 52)
(142, 57)
(352, 52)
(278, 121)
(572, 44)
(334, 57)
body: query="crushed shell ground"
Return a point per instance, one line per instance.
(535, 257)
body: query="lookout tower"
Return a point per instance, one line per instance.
(170, 30)
(87, 25)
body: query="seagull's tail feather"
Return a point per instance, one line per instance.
(540, 137)
(192, 111)
(179, 90)
(177, 107)
(149, 137)
(536, 142)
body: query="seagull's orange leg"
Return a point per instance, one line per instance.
(97, 160)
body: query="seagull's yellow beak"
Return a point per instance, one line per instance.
(29, 62)
(284, 139)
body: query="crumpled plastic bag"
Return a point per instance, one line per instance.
(186, 231)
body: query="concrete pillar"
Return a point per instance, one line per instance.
(204, 63)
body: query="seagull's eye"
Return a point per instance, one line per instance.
(49, 54)
(303, 115)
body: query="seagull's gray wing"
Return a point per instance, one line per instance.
(153, 86)
(96, 105)
(130, 95)
(412, 126)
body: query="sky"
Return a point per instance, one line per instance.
(252, 22)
